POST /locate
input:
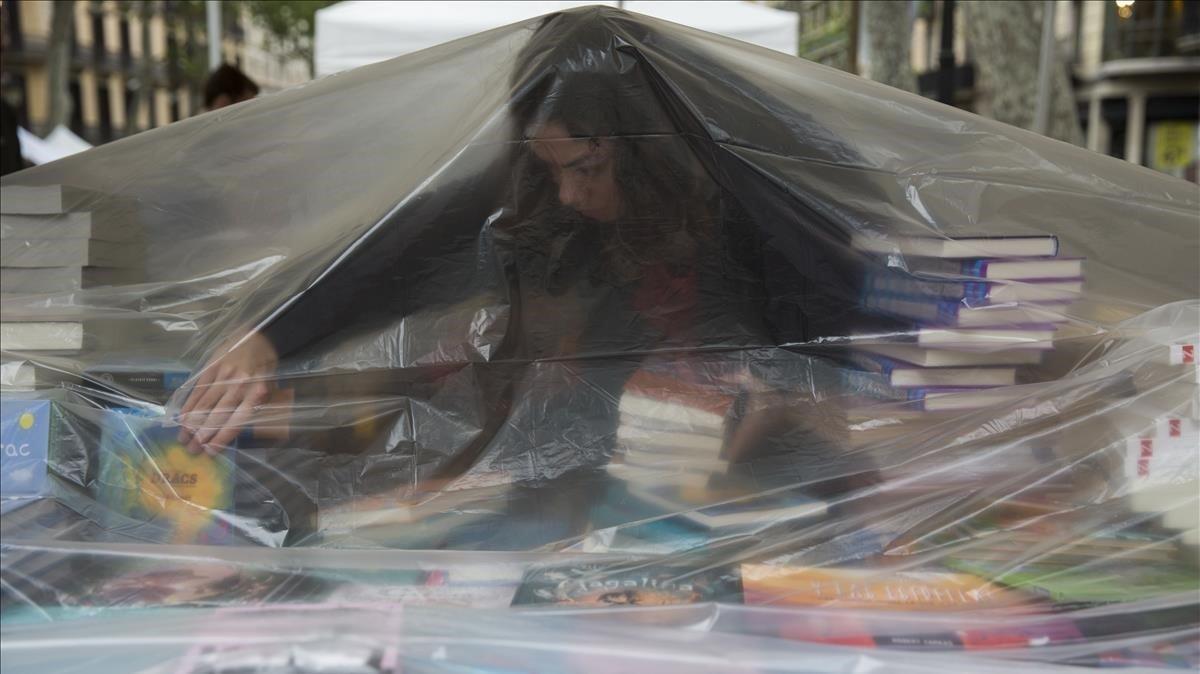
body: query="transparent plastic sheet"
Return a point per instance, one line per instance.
(588, 311)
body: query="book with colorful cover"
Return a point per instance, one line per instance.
(865, 588)
(1103, 581)
(628, 582)
(146, 475)
(973, 293)
(125, 581)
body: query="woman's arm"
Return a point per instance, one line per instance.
(392, 274)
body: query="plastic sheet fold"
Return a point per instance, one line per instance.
(597, 343)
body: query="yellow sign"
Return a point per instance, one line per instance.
(1174, 145)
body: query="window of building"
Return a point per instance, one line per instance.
(1144, 29)
(1115, 112)
(131, 108)
(173, 73)
(98, 46)
(105, 103)
(76, 124)
(126, 42)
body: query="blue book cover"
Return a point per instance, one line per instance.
(25, 427)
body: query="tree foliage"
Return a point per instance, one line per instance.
(290, 24)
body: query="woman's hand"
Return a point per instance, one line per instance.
(233, 383)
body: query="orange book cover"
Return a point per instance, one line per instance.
(873, 589)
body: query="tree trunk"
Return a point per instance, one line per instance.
(1005, 37)
(58, 63)
(888, 38)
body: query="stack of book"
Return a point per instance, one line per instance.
(974, 311)
(58, 239)
(1162, 462)
(673, 427)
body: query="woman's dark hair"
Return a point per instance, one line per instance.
(571, 73)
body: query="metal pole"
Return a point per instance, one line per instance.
(1041, 115)
(945, 88)
(212, 10)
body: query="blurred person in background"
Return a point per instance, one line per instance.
(227, 85)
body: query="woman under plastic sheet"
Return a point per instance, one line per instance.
(614, 242)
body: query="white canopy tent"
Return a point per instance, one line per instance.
(355, 33)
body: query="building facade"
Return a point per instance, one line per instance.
(133, 65)
(1135, 68)
(1137, 80)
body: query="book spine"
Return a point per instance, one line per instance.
(906, 286)
(976, 291)
(1182, 354)
(976, 268)
(872, 385)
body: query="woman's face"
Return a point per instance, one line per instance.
(583, 169)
